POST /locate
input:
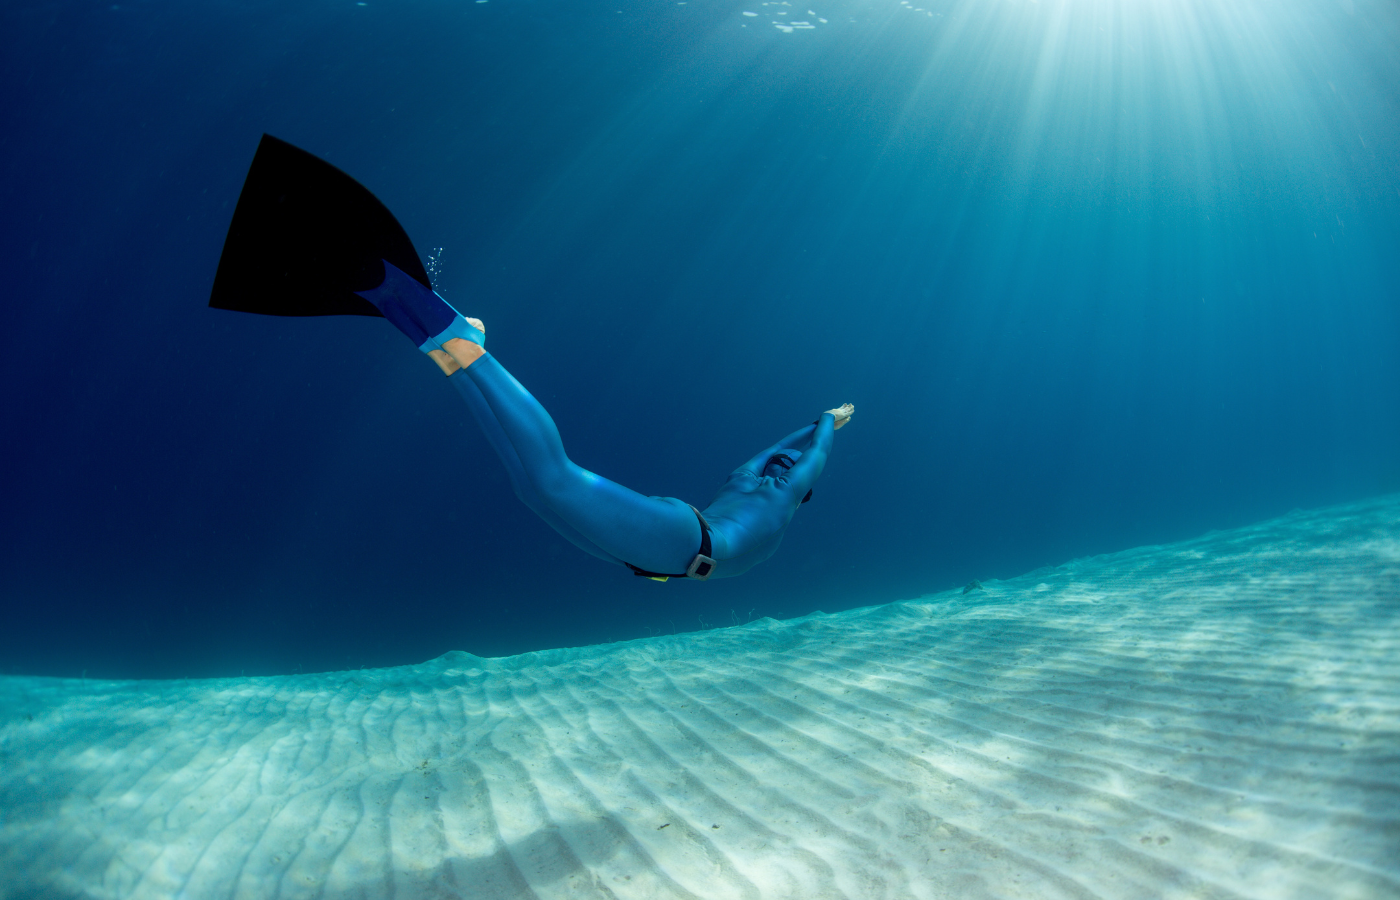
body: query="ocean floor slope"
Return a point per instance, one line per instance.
(1215, 718)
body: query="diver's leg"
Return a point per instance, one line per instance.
(659, 535)
(519, 480)
(430, 322)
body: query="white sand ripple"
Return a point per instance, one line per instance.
(1216, 718)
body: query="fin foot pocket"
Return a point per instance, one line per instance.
(419, 312)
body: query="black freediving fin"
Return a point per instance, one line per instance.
(305, 237)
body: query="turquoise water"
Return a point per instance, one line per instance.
(1095, 273)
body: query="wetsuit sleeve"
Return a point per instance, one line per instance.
(808, 469)
(795, 441)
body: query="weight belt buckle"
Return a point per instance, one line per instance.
(700, 567)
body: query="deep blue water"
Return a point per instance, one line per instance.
(1096, 273)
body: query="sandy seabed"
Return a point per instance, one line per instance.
(1215, 718)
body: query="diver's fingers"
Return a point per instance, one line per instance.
(842, 414)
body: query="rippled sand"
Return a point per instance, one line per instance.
(1216, 718)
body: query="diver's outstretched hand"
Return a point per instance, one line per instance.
(843, 413)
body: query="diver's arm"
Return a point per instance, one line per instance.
(805, 472)
(755, 466)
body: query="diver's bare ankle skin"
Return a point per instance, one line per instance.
(462, 352)
(444, 362)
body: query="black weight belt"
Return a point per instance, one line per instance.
(700, 567)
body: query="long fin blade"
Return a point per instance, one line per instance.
(305, 237)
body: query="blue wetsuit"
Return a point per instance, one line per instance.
(657, 534)
(651, 534)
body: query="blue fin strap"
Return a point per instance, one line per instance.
(423, 316)
(460, 328)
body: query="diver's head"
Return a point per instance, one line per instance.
(779, 463)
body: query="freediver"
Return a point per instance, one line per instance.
(308, 240)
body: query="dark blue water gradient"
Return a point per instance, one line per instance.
(1096, 273)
